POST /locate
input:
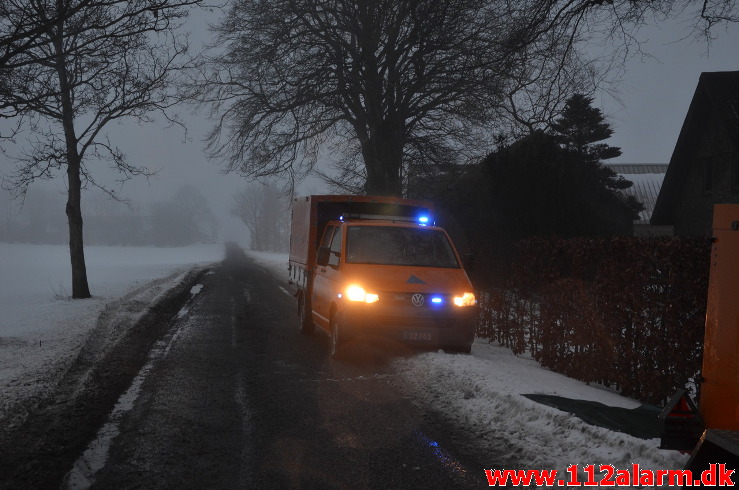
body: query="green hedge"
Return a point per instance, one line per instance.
(625, 312)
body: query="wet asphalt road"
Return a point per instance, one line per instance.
(237, 398)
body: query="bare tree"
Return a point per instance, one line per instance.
(82, 65)
(265, 212)
(394, 81)
(399, 83)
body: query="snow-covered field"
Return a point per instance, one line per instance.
(41, 329)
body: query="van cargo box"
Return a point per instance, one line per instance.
(311, 213)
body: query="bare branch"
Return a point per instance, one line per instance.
(390, 79)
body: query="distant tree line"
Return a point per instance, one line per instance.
(265, 211)
(183, 219)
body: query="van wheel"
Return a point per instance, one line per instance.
(337, 339)
(306, 326)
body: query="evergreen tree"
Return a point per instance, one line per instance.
(582, 126)
(581, 129)
(540, 188)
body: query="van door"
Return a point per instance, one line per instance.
(326, 283)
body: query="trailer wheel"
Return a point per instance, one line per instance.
(306, 325)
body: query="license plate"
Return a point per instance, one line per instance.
(419, 336)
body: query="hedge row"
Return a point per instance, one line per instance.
(625, 312)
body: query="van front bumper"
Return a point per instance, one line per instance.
(448, 328)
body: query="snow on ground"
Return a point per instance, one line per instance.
(41, 329)
(483, 392)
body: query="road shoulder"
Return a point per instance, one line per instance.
(48, 431)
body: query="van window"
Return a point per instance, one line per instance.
(327, 235)
(393, 245)
(333, 259)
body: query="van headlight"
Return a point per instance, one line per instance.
(357, 293)
(466, 299)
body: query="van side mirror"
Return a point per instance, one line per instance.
(323, 255)
(468, 262)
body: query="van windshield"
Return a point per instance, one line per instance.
(394, 245)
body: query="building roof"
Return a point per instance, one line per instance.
(716, 93)
(637, 168)
(647, 179)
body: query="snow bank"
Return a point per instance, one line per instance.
(483, 392)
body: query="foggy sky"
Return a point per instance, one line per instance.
(656, 92)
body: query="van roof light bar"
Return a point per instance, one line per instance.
(377, 216)
(423, 220)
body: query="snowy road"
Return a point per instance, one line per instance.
(236, 398)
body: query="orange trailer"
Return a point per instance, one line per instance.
(717, 415)
(719, 403)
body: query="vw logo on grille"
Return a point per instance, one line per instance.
(417, 299)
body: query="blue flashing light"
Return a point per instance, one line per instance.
(436, 300)
(423, 220)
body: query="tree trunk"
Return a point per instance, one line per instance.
(383, 159)
(80, 288)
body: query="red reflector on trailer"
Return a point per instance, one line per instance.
(680, 423)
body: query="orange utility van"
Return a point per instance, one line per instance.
(368, 266)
